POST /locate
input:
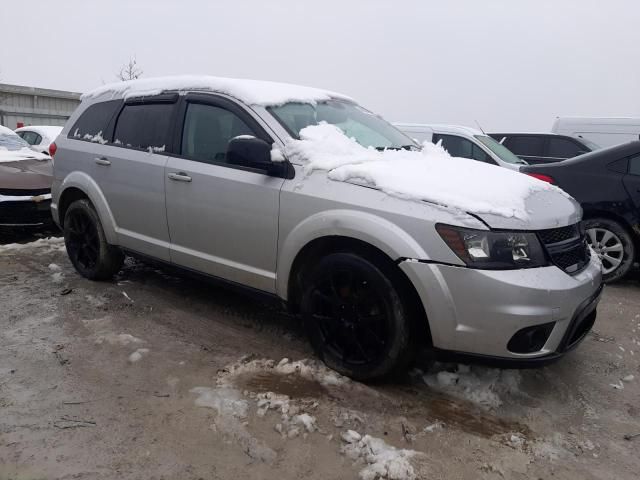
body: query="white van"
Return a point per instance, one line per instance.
(465, 142)
(605, 132)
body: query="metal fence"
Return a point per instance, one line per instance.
(22, 106)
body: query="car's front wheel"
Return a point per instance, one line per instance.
(87, 245)
(355, 317)
(613, 245)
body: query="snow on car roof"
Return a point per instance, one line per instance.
(251, 92)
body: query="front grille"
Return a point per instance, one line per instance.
(567, 247)
(12, 192)
(556, 235)
(25, 213)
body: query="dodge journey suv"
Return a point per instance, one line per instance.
(380, 245)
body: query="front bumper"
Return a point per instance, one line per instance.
(475, 313)
(25, 211)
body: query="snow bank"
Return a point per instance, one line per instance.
(45, 245)
(483, 386)
(252, 92)
(382, 461)
(429, 175)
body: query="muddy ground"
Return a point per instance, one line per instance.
(155, 376)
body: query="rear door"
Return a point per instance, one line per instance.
(223, 218)
(632, 181)
(528, 147)
(131, 174)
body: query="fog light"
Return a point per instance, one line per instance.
(530, 339)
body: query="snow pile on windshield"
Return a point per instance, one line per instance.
(430, 174)
(252, 92)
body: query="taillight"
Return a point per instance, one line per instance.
(540, 176)
(52, 149)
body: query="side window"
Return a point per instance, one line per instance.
(30, 137)
(479, 154)
(634, 165)
(144, 126)
(456, 146)
(94, 120)
(562, 148)
(37, 139)
(526, 146)
(207, 130)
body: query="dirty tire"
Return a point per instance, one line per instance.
(620, 233)
(357, 321)
(87, 245)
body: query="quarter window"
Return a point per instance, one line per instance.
(456, 146)
(94, 120)
(207, 131)
(32, 138)
(144, 126)
(526, 146)
(563, 148)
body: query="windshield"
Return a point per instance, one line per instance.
(500, 150)
(356, 122)
(11, 141)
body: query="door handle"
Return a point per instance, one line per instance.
(102, 161)
(179, 177)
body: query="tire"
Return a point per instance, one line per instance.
(614, 246)
(356, 319)
(87, 245)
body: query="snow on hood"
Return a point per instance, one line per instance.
(22, 154)
(434, 176)
(251, 92)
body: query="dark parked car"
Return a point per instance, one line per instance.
(538, 148)
(25, 183)
(607, 185)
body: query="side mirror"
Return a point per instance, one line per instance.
(249, 151)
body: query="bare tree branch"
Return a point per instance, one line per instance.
(130, 71)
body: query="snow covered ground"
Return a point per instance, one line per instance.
(191, 381)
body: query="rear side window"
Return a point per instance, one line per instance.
(527, 146)
(144, 126)
(94, 120)
(32, 138)
(563, 148)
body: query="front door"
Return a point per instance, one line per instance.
(223, 219)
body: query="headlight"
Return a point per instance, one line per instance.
(494, 250)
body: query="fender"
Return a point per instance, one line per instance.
(84, 182)
(388, 237)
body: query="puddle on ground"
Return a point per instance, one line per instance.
(293, 385)
(456, 413)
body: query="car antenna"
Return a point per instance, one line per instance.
(480, 126)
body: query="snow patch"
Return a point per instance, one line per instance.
(122, 339)
(138, 354)
(44, 245)
(482, 386)
(251, 92)
(382, 461)
(430, 175)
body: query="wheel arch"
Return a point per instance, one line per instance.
(594, 213)
(325, 245)
(78, 185)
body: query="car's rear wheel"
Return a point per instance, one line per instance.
(356, 320)
(87, 245)
(613, 245)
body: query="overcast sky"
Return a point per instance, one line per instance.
(509, 64)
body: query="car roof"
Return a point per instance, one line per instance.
(550, 134)
(606, 154)
(441, 128)
(251, 92)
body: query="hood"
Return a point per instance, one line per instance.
(26, 174)
(21, 154)
(502, 198)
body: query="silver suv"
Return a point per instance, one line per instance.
(196, 172)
